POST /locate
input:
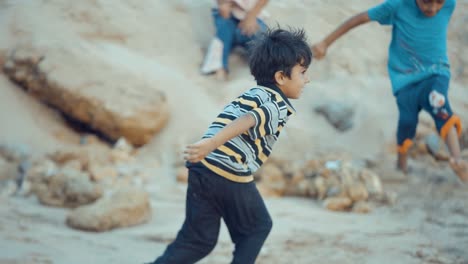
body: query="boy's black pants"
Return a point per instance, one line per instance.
(210, 197)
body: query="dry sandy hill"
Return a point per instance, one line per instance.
(161, 42)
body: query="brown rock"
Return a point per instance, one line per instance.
(371, 181)
(67, 188)
(272, 177)
(62, 157)
(8, 170)
(266, 191)
(98, 172)
(117, 103)
(338, 203)
(357, 192)
(182, 175)
(387, 197)
(321, 187)
(362, 207)
(127, 207)
(41, 169)
(303, 188)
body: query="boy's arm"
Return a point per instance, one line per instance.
(319, 50)
(249, 24)
(198, 151)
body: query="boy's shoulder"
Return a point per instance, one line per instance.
(260, 94)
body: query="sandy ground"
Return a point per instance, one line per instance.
(428, 224)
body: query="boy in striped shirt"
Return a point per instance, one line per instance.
(236, 144)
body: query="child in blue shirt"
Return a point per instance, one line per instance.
(418, 68)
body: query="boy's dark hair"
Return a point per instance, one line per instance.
(278, 50)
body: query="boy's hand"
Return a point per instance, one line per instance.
(198, 151)
(319, 50)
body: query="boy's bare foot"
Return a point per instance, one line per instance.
(221, 75)
(460, 167)
(402, 163)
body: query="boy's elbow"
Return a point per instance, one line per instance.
(363, 17)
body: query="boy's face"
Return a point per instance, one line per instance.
(292, 86)
(430, 8)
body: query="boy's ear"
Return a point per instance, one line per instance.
(279, 77)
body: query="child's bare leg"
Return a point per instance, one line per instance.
(402, 162)
(459, 166)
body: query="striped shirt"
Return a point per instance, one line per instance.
(241, 156)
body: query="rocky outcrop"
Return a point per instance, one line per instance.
(105, 97)
(123, 208)
(340, 115)
(66, 188)
(343, 185)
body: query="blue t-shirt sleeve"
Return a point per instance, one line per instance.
(385, 12)
(450, 5)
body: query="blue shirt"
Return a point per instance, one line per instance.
(419, 43)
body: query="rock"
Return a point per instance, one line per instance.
(62, 157)
(266, 191)
(357, 192)
(41, 170)
(362, 207)
(182, 174)
(126, 207)
(321, 187)
(338, 114)
(387, 197)
(7, 188)
(334, 191)
(117, 104)
(8, 170)
(123, 145)
(73, 164)
(14, 152)
(436, 147)
(99, 172)
(338, 203)
(89, 139)
(303, 188)
(117, 156)
(371, 181)
(272, 177)
(388, 172)
(67, 188)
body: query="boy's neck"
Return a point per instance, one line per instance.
(276, 88)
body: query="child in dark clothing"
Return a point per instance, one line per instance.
(236, 144)
(418, 67)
